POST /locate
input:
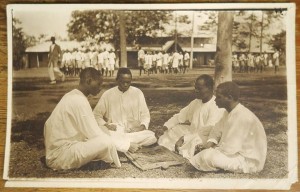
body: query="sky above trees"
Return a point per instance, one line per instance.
(53, 22)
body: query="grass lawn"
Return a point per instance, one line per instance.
(33, 101)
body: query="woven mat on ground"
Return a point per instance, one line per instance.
(154, 157)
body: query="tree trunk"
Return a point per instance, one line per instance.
(261, 31)
(175, 32)
(223, 58)
(251, 31)
(123, 59)
(192, 42)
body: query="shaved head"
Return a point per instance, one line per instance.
(229, 89)
(89, 72)
(122, 71)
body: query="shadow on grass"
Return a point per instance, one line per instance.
(31, 131)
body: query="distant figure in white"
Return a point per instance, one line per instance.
(94, 58)
(238, 141)
(186, 61)
(188, 130)
(72, 135)
(123, 110)
(175, 61)
(165, 66)
(141, 60)
(101, 66)
(106, 65)
(54, 56)
(112, 62)
(276, 61)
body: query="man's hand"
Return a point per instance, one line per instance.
(198, 148)
(133, 147)
(160, 131)
(111, 127)
(138, 128)
(179, 143)
(209, 145)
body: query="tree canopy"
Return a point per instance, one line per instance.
(254, 27)
(19, 43)
(103, 25)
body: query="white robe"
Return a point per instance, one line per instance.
(176, 58)
(201, 116)
(105, 55)
(241, 144)
(73, 137)
(126, 110)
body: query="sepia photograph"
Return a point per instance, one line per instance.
(175, 96)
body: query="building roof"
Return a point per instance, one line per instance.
(167, 45)
(44, 47)
(204, 48)
(64, 45)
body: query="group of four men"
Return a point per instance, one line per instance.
(227, 134)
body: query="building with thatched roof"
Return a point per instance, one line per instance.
(37, 56)
(204, 48)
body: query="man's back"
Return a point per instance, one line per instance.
(62, 126)
(242, 133)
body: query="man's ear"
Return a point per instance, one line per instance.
(88, 81)
(230, 97)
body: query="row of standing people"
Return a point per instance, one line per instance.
(162, 62)
(74, 61)
(247, 63)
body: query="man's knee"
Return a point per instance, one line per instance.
(100, 141)
(208, 155)
(167, 142)
(150, 138)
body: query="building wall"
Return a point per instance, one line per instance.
(132, 61)
(37, 60)
(202, 59)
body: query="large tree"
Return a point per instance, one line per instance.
(278, 41)
(252, 28)
(211, 20)
(19, 43)
(123, 57)
(103, 25)
(223, 58)
(267, 19)
(245, 29)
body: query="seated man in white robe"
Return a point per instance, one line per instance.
(201, 115)
(123, 110)
(238, 141)
(72, 135)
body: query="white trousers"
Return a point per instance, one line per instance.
(212, 160)
(53, 71)
(77, 154)
(123, 140)
(143, 138)
(171, 136)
